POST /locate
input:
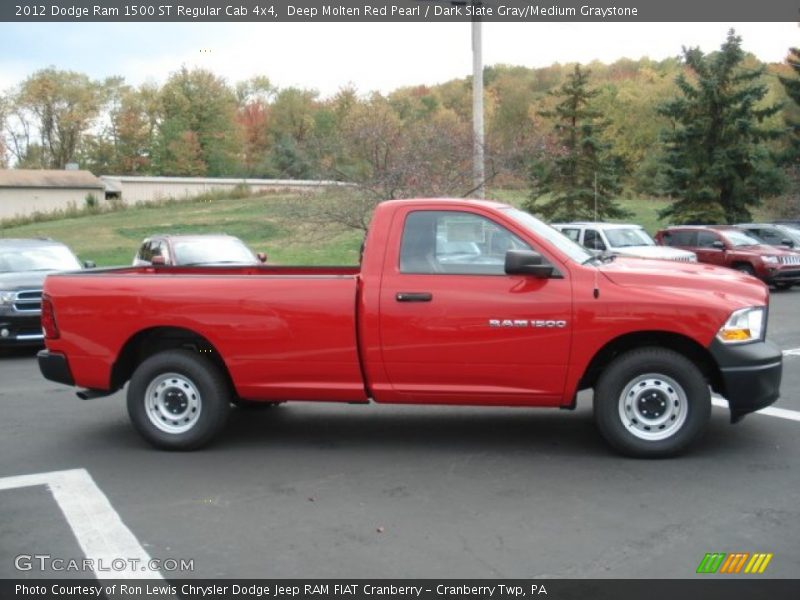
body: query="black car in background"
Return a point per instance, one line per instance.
(24, 263)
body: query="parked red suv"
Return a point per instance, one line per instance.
(728, 246)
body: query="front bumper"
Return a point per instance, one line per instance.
(789, 275)
(751, 375)
(54, 366)
(21, 331)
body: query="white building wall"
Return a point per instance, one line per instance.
(149, 189)
(18, 202)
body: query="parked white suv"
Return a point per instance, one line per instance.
(622, 239)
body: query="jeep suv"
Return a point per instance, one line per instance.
(23, 266)
(728, 246)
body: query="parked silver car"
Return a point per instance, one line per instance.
(622, 239)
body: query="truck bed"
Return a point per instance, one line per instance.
(266, 323)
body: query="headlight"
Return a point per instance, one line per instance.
(744, 325)
(770, 260)
(6, 298)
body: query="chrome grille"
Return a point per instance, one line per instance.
(28, 301)
(790, 259)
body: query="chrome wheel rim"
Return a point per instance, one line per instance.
(653, 407)
(173, 403)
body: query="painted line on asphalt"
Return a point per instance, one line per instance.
(100, 532)
(770, 411)
(792, 352)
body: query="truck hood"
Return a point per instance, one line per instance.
(23, 280)
(707, 280)
(662, 252)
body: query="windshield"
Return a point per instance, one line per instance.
(740, 238)
(624, 238)
(791, 233)
(212, 251)
(41, 258)
(577, 253)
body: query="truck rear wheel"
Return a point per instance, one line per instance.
(651, 403)
(178, 400)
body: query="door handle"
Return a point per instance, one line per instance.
(414, 296)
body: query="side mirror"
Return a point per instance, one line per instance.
(89, 264)
(718, 245)
(527, 262)
(787, 242)
(158, 261)
(261, 256)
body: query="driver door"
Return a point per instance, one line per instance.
(455, 328)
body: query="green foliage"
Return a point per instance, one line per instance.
(52, 111)
(90, 202)
(199, 124)
(581, 182)
(792, 86)
(198, 133)
(788, 206)
(717, 164)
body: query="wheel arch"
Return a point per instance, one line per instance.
(681, 344)
(153, 340)
(744, 263)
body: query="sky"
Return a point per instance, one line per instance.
(369, 56)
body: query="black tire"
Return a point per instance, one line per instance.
(651, 403)
(188, 384)
(745, 268)
(783, 286)
(253, 404)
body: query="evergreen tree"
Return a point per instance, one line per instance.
(792, 87)
(789, 204)
(581, 181)
(717, 164)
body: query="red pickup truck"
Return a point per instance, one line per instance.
(459, 302)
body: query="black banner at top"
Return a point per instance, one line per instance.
(522, 11)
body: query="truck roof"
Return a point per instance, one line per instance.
(453, 201)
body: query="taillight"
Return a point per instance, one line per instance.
(49, 319)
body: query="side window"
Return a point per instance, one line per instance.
(592, 240)
(706, 239)
(572, 233)
(680, 238)
(144, 252)
(769, 235)
(455, 242)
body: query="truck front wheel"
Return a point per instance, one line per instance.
(178, 400)
(651, 403)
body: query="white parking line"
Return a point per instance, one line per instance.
(792, 352)
(770, 411)
(100, 532)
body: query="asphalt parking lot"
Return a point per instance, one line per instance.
(368, 491)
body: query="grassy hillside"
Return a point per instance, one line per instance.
(267, 223)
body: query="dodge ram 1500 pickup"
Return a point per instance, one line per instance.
(459, 302)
